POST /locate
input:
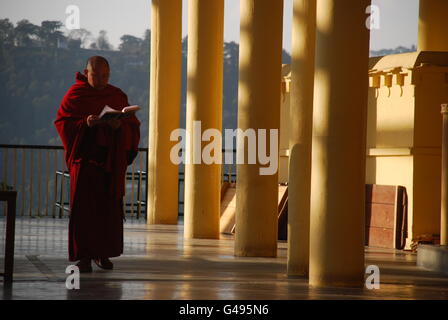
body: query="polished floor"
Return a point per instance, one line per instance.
(159, 264)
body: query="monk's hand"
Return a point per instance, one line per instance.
(114, 123)
(93, 120)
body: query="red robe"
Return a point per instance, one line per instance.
(97, 159)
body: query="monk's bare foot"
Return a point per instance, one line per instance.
(104, 263)
(84, 265)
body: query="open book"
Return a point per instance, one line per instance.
(108, 113)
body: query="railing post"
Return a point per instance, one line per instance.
(31, 181)
(61, 208)
(47, 182)
(23, 182)
(5, 174)
(39, 178)
(15, 170)
(132, 189)
(139, 197)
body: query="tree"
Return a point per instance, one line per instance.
(82, 35)
(6, 32)
(184, 45)
(146, 43)
(49, 33)
(74, 43)
(130, 44)
(25, 32)
(147, 36)
(103, 42)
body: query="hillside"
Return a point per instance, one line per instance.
(36, 78)
(38, 65)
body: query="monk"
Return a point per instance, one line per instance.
(97, 153)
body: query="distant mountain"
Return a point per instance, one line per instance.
(38, 65)
(34, 81)
(384, 52)
(37, 68)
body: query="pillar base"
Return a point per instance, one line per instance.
(330, 283)
(296, 276)
(256, 253)
(297, 273)
(168, 222)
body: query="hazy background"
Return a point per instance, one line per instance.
(398, 18)
(39, 58)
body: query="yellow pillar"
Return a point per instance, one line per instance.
(165, 90)
(204, 103)
(301, 122)
(258, 108)
(444, 204)
(432, 25)
(339, 139)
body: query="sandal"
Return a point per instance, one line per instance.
(84, 266)
(104, 263)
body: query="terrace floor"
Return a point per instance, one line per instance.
(158, 264)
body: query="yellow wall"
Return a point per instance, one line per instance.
(430, 92)
(404, 132)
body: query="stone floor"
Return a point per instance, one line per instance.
(159, 264)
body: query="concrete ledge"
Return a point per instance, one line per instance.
(433, 257)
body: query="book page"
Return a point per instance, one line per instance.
(107, 109)
(134, 108)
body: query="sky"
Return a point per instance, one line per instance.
(398, 19)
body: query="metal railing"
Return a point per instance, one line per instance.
(40, 176)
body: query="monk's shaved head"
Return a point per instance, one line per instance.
(97, 72)
(96, 61)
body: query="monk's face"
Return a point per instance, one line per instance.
(97, 75)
